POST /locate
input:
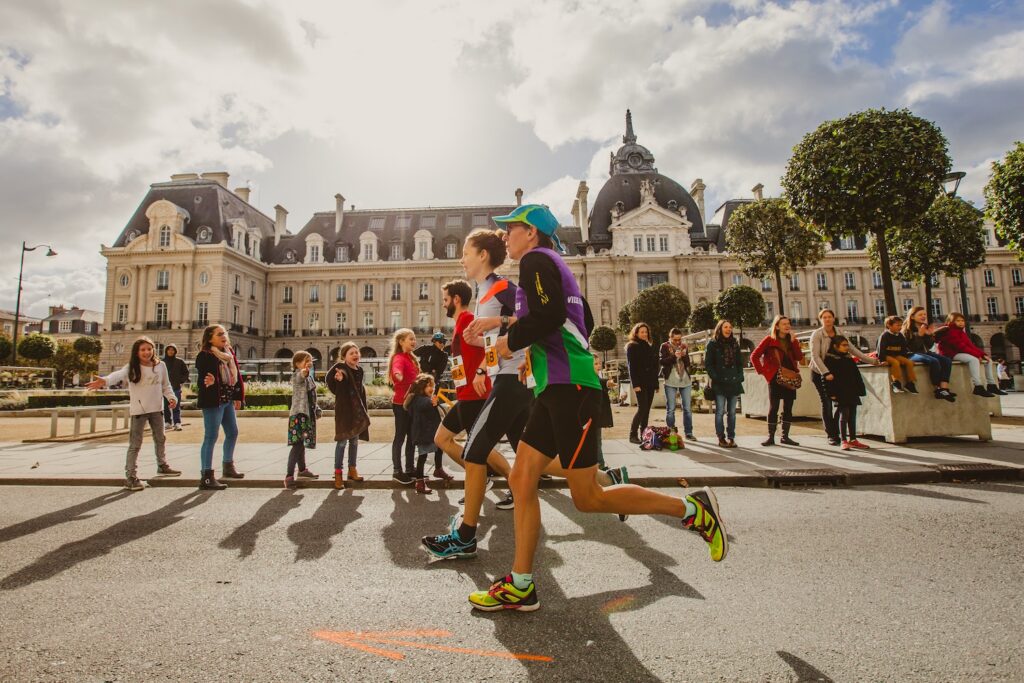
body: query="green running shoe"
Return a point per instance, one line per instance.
(619, 475)
(503, 594)
(708, 523)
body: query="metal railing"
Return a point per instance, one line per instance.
(364, 331)
(158, 324)
(284, 333)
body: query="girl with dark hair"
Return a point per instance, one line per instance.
(301, 418)
(221, 393)
(845, 387)
(642, 361)
(724, 365)
(821, 341)
(351, 418)
(777, 358)
(920, 341)
(421, 404)
(148, 386)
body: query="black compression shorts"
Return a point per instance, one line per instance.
(504, 413)
(462, 415)
(565, 421)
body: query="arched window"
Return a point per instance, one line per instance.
(165, 236)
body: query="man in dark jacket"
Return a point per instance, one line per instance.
(177, 373)
(433, 359)
(675, 370)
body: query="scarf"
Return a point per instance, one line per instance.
(228, 371)
(730, 351)
(680, 363)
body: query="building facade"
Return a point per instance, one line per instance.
(196, 252)
(68, 324)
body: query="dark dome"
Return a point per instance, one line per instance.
(625, 188)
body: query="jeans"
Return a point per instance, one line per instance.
(670, 407)
(339, 453)
(213, 419)
(847, 418)
(939, 367)
(173, 416)
(828, 414)
(296, 458)
(138, 424)
(643, 411)
(403, 424)
(974, 365)
(723, 405)
(780, 395)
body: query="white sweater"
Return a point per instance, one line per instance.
(145, 395)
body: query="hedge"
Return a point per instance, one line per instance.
(58, 401)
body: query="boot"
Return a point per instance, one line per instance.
(421, 486)
(994, 389)
(770, 441)
(785, 435)
(339, 481)
(353, 475)
(439, 473)
(230, 472)
(208, 482)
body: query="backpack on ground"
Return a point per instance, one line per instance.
(653, 438)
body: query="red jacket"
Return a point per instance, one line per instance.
(956, 341)
(766, 361)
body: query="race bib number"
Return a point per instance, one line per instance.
(531, 381)
(491, 354)
(458, 371)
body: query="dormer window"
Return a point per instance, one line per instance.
(289, 256)
(165, 236)
(396, 252)
(341, 253)
(450, 250)
(314, 253)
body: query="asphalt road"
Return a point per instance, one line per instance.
(882, 584)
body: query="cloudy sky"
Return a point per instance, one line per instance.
(454, 102)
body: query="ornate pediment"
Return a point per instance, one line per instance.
(650, 215)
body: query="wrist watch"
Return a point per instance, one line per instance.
(481, 371)
(504, 321)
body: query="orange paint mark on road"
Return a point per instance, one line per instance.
(618, 604)
(359, 639)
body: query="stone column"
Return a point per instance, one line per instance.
(140, 302)
(188, 306)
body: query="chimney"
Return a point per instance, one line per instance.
(243, 193)
(697, 192)
(280, 223)
(583, 213)
(219, 177)
(54, 310)
(178, 177)
(519, 196)
(758, 191)
(339, 213)
(351, 207)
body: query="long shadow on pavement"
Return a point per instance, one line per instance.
(69, 514)
(312, 537)
(805, 672)
(920, 493)
(103, 542)
(243, 538)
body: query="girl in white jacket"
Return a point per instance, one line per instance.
(148, 385)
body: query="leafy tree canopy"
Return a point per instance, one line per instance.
(702, 317)
(767, 239)
(741, 305)
(1004, 197)
(90, 346)
(662, 307)
(603, 339)
(37, 347)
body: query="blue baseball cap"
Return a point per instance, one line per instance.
(536, 216)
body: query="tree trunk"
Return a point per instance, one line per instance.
(778, 283)
(883, 259)
(928, 295)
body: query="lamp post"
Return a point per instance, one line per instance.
(953, 179)
(17, 303)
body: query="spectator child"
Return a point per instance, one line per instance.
(892, 350)
(955, 344)
(421, 405)
(301, 418)
(148, 386)
(177, 374)
(845, 389)
(351, 417)
(606, 412)
(920, 341)
(1003, 373)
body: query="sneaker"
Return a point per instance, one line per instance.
(449, 546)
(506, 503)
(689, 437)
(857, 444)
(911, 388)
(995, 390)
(619, 475)
(403, 478)
(832, 441)
(289, 483)
(134, 484)
(846, 446)
(981, 391)
(165, 470)
(946, 394)
(177, 427)
(503, 594)
(546, 477)
(634, 439)
(788, 441)
(306, 474)
(897, 388)
(707, 522)
(168, 426)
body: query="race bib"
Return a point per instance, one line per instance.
(491, 354)
(531, 381)
(458, 371)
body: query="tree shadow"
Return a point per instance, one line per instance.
(804, 671)
(312, 537)
(987, 486)
(74, 513)
(243, 538)
(905, 490)
(103, 542)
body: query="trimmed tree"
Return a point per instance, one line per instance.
(36, 347)
(1004, 197)
(742, 306)
(948, 240)
(67, 360)
(662, 307)
(90, 346)
(5, 349)
(770, 240)
(702, 317)
(869, 173)
(1014, 332)
(603, 339)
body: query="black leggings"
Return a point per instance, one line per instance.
(403, 424)
(829, 412)
(296, 458)
(643, 411)
(777, 395)
(847, 418)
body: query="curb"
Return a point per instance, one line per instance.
(922, 476)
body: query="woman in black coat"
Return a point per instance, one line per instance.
(642, 361)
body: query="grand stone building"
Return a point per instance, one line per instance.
(196, 252)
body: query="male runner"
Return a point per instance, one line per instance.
(550, 320)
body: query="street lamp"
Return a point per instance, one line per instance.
(950, 184)
(17, 303)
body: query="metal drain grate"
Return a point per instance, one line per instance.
(815, 477)
(960, 471)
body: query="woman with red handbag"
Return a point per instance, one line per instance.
(777, 358)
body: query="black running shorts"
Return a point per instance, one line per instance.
(462, 415)
(565, 421)
(504, 413)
